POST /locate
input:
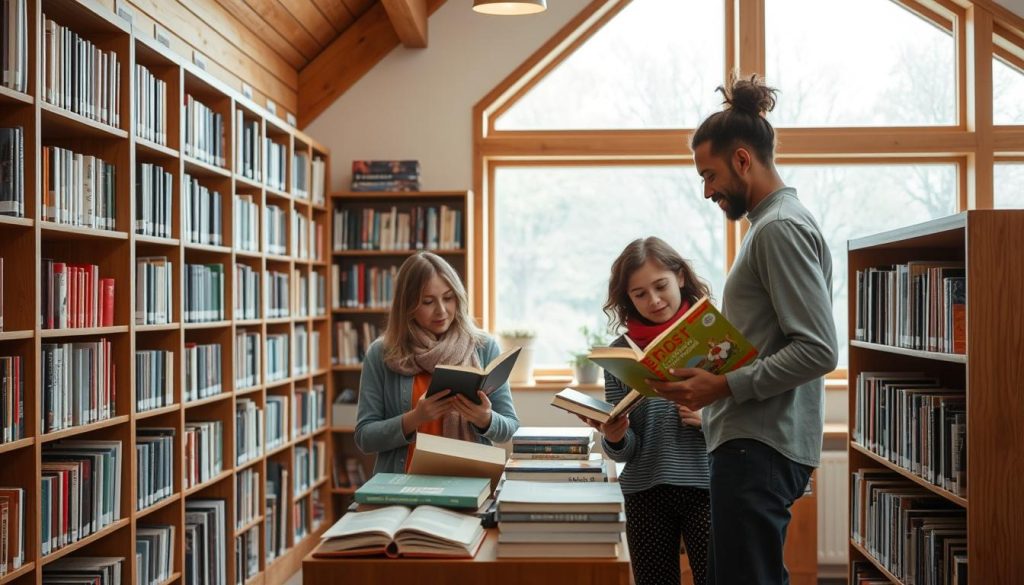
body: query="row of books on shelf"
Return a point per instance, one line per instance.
(154, 465)
(78, 384)
(75, 296)
(204, 132)
(79, 76)
(918, 305)
(914, 422)
(14, 32)
(12, 170)
(154, 283)
(249, 433)
(352, 341)
(150, 106)
(916, 535)
(80, 490)
(154, 198)
(12, 398)
(78, 189)
(203, 214)
(204, 293)
(204, 451)
(248, 151)
(385, 175)
(416, 228)
(362, 286)
(13, 514)
(154, 546)
(154, 379)
(277, 157)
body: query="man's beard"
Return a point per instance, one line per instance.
(735, 204)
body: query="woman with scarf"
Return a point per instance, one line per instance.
(429, 325)
(665, 479)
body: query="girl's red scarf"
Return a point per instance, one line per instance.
(642, 333)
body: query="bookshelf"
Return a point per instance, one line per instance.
(989, 373)
(158, 144)
(356, 242)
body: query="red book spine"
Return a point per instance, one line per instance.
(107, 312)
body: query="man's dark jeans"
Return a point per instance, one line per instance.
(752, 489)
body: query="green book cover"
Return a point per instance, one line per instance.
(436, 490)
(700, 338)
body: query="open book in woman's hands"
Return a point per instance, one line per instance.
(466, 380)
(425, 531)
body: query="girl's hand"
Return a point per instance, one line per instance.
(478, 414)
(612, 430)
(689, 417)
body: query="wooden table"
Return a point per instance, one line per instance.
(484, 568)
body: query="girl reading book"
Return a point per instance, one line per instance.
(665, 479)
(428, 325)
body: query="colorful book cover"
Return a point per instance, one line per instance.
(700, 338)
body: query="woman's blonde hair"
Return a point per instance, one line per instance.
(413, 275)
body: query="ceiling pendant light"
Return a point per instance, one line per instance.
(509, 7)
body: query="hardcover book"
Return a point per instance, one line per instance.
(434, 490)
(466, 380)
(595, 409)
(700, 338)
(397, 531)
(434, 455)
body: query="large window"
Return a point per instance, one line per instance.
(852, 201)
(1007, 93)
(655, 65)
(864, 63)
(1009, 179)
(561, 227)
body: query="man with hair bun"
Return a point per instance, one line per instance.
(762, 422)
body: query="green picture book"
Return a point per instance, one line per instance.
(700, 338)
(435, 490)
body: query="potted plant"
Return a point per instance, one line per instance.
(587, 372)
(512, 337)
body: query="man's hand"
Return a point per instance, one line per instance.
(478, 414)
(696, 388)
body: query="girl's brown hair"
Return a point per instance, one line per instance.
(412, 277)
(619, 307)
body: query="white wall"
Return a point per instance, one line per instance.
(417, 103)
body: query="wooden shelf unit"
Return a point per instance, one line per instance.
(24, 241)
(991, 372)
(346, 376)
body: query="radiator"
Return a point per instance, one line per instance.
(833, 509)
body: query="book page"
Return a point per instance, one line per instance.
(440, 524)
(384, 521)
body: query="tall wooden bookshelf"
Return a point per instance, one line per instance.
(991, 372)
(346, 375)
(24, 241)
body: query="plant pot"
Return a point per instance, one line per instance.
(522, 371)
(587, 373)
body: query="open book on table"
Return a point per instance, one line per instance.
(395, 531)
(466, 380)
(700, 338)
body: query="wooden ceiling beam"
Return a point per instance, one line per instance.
(344, 62)
(409, 17)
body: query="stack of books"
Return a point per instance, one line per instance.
(561, 454)
(566, 443)
(385, 175)
(560, 519)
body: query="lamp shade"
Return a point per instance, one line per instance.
(510, 7)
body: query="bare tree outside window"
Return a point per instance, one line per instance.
(1009, 179)
(560, 229)
(1007, 93)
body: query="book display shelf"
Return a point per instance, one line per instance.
(963, 495)
(206, 214)
(373, 233)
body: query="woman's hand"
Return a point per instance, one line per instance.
(478, 414)
(613, 430)
(688, 417)
(428, 408)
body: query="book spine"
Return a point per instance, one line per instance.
(519, 448)
(417, 500)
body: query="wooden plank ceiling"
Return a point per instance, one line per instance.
(330, 44)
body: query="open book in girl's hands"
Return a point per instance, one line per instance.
(586, 406)
(700, 338)
(466, 380)
(397, 531)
